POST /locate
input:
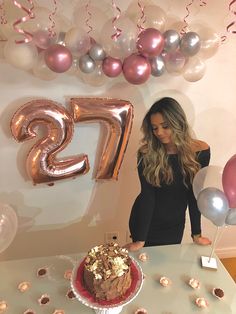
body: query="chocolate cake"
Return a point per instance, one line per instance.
(107, 273)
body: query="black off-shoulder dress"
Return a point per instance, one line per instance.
(158, 214)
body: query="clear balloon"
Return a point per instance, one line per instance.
(95, 78)
(150, 42)
(87, 64)
(209, 176)
(210, 40)
(22, 56)
(231, 217)
(171, 40)
(78, 41)
(8, 226)
(42, 164)
(213, 205)
(190, 44)
(123, 45)
(112, 67)
(58, 58)
(157, 66)
(136, 69)
(194, 69)
(133, 10)
(96, 52)
(229, 181)
(116, 117)
(42, 71)
(174, 61)
(41, 39)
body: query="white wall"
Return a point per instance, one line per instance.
(73, 215)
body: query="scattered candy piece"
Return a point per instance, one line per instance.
(59, 312)
(44, 299)
(24, 286)
(29, 311)
(194, 283)
(164, 281)
(143, 257)
(70, 294)
(68, 274)
(42, 272)
(201, 302)
(3, 306)
(218, 293)
(141, 311)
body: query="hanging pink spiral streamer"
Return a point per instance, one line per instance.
(142, 18)
(89, 15)
(202, 3)
(30, 15)
(184, 29)
(118, 30)
(228, 27)
(51, 31)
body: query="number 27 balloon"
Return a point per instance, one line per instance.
(42, 163)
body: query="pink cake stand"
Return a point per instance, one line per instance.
(106, 307)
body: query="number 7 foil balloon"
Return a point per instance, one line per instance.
(42, 164)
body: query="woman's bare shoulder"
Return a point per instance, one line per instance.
(199, 145)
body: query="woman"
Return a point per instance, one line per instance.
(167, 162)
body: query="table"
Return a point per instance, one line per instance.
(177, 262)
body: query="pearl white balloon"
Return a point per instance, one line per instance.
(174, 62)
(22, 56)
(194, 69)
(42, 71)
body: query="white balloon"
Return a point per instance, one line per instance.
(42, 71)
(22, 56)
(194, 69)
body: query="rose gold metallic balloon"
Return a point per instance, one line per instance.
(58, 58)
(116, 117)
(112, 67)
(150, 42)
(136, 69)
(42, 164)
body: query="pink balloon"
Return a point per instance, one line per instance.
(229, 181)
(58, 58)
(136, 69)
(150, 42)
(112, 67)
(41, 39)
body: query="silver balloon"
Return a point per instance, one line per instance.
(190, 44)
(86, 64)
(97, 53)
(172, 40)
(157, 65)
(231, 217)
(214, 205)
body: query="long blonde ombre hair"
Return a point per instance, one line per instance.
(152, 153)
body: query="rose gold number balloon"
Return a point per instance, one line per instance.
(116, 116)
(42, 164)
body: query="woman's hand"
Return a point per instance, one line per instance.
(134, 246)
(201, 240)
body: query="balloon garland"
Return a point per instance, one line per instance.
(136, 51)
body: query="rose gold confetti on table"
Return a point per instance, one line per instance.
(141, 311)
(3, 306)
(194, 283)
(29, 311)
(44, 299)
(70, 294)
(164, 281)
(68, 274)
(42, 272)
(201, 302)
(24, 286)
(59, 312)
(143, 257)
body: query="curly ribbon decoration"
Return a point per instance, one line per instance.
(89, 15)
(30, 15)
(202, 3)
(224, 37)
(118, 30)
(142, 19)
(3, 13)
(184, 29)
(51, 31)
